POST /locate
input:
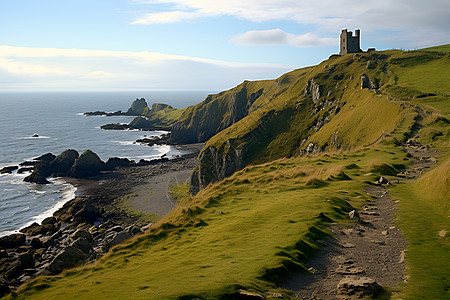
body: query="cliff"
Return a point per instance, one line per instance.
(341, 104)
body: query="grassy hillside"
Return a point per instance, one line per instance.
(250, 229)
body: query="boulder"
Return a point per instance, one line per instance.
(88, 164)
(63, 162)
(8, 170)
(68, 258)
(4, 287)
(87, 213)
(82, 233)
(366, 83)
(12, 241)
(36, 177)
(48, 157)
(115, 162)
(82, 244)
(27, 261)
(359, 287)
(114, 239)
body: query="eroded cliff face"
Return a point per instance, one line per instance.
(215, 164)
(200, 122)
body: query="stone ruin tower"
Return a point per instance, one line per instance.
(349, 43)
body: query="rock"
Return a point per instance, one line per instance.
(4, 287)
(115, 126)
(312, 88)
(366, 83)
(383, 180)
(116, 228)
(12, 241)
(82, 233)
(23, 170)
(14, 270)
(82, 244)
(48, 157)
(3, 254)
(68, 258)
(347, 245)
(87, 213)
(349, 270)
(117, 238)
(359, 287)
(133, 230)
(138, 107)
(33, 229)
(36, 243)
(243, 294)
(115, 162)
(49, 241)
(146, 227)
(49, 220)
(8, 169)
(63, 162)
(27, 261)
(88, 164)
(352, 214)
(443, 233)
(36, 177)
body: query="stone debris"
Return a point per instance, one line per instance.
(358, 287)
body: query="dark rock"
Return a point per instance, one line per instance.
(115, 162)
(36, 243)
(82, 244)
(3, 254)
(23, 170)
(4, 287)
(116, 228)
(29, 271)
(359, 287)
(8, 169)
(23, 249)
(133, 230)
(68, 258)
(33, 229)
(49, 220)
(82, 233)
(27, 261)
(88, 164)
(48, 157)
(116, 239)
(36, 177)
(50, 241)
(29, 163)
(12, 241)
(87, 213)
(115, 126)
(383, 180)
(63, 162)
(138, 107)
(14, 270)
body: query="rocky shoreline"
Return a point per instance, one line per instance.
(86, 227)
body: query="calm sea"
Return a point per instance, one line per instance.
(57, 119)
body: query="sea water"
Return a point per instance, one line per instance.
(57, 118)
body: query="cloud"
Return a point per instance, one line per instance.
(279, 37)
(409, 20)
(78, 69)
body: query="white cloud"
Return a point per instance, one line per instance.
(279, 37)
(410, 20)
(78, 69)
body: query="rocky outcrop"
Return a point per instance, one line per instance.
(69, 163)
(366, 83)
(215, 164)
(202, 121)
(313, 89)
(88, 164)
(358, 287)
(138, 107)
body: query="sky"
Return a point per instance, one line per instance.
(213, 45)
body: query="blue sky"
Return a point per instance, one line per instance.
(194, 44)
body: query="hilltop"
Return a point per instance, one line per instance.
(283, 159)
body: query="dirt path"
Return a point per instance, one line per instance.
(373, 247)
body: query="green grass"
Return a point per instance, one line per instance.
(424, 213)
(442, 48)
(246, 231)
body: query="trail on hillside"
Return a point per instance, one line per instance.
(372, 248)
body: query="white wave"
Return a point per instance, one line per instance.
(126, 143)
(33, 137)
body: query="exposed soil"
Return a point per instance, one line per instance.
(373, 247)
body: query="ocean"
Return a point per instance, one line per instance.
(57, 118)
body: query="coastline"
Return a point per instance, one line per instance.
(87, 226)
